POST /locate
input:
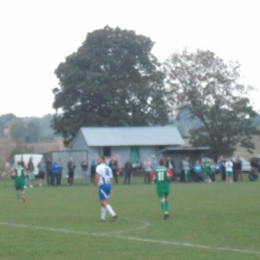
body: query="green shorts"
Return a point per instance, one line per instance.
(229, 174)
(19, 186)
(186, 172)
(163, 191)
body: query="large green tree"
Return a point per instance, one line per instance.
(210, 89)
(112, 80)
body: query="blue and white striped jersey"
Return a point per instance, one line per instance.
(105, 174)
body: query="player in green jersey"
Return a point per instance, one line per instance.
(19, 179)
(207, 168)
(162, 178)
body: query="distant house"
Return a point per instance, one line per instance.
(134, 143)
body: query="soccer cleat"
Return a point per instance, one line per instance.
(101, 220)
(113, 218)
(23, 198)
(166, 215)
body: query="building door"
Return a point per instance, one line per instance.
(134, 154)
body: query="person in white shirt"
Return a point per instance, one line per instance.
(104, 179)
(229, 170)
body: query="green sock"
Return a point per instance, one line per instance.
(167, 205)
(18, 195)
(163, 205)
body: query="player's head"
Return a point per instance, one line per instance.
(101, 159)
(161, 162)
(19, 163)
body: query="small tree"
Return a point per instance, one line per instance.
(210, 89)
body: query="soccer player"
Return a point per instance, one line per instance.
(229, 170)
(163, 177)
(104, 179)
(19, 179)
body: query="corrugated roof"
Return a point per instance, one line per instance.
(131, 136)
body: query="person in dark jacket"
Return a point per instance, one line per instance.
(49, 171)
(92, 171)
(114, 167)
(128, 171)
(71, 169)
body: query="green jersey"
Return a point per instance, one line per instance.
(19, 176)
(162, 181)
(207, 166)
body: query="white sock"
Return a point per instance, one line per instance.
(103, 213)
(110, 210)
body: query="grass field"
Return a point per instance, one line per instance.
(207, 221)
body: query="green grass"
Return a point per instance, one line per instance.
(62, 223)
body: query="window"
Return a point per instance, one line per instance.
(107, 151)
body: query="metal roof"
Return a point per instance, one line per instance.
(131, 136)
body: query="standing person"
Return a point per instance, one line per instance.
(55, 168)
(162, 179)
(19, 179)
(206, 164)
(229, 170)
(147, 170)
(104, 179)
(92, 171)
(26, 177)
(237, 170)
(84, 168)
(114, 167)
(154, 162)
(30, 167)
(48, 171)
(170, 165)
(128, 171)
(186, 168)
(212, 170)
(60, 172)
(71, 169)
(197, 169)
(41, 167)
(221, 163)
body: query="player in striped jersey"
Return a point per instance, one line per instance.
(104, 180)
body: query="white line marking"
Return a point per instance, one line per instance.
(133, 238)
(145, 225)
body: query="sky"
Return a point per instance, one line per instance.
(37, 35)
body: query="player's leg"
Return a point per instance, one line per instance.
(104, 193)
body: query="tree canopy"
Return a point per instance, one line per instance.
(210, 89)
(112, 80)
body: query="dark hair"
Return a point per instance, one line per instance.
(102, 157)
(161, 162)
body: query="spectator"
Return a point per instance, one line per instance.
(60, 172)
(170, 165)
(197, 169)
(30, 168)
(222, 168)
(206, 165)
(55, 168)
(84, 168)
(253, 176)
(114, 167)
(186, 168)
(154, 162)
(49, 172)
(212, 170)
(71, 169)
(92, 171)
(229, 170)
(128, 171)
(147, 170)
(41, 167)
(237, 167)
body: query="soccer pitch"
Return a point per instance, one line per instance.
(207, 221)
